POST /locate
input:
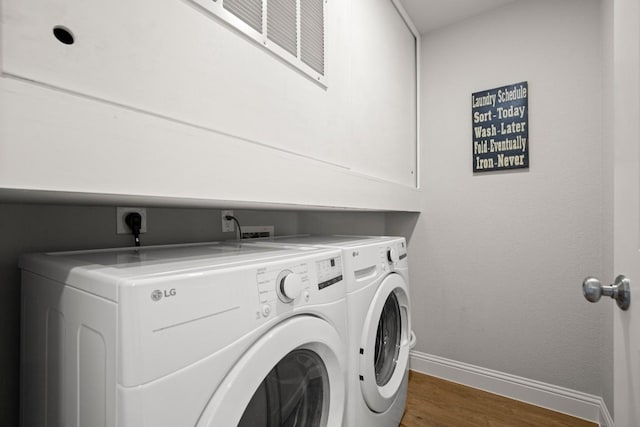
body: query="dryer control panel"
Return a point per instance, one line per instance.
(329, 271)
(394, 253)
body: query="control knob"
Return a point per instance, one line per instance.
(289, 286)
(392, 255)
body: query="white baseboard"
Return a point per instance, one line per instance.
(571, 402)
(604, 418)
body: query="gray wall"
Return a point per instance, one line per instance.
(498, 258)
(372, 223)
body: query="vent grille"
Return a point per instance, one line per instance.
(294, 30)
(312, 34)
(249, 11)
(282, 24)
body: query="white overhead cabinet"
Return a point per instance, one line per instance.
(384, 93)
(307, 102)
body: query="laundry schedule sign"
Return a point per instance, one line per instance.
(500, 123)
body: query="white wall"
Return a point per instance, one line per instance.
(498, 258)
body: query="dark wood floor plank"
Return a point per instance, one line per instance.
(433, 402)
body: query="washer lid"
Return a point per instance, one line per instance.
(101, 271)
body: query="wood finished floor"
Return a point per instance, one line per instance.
(433, 402)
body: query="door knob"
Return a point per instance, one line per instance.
(593, 289)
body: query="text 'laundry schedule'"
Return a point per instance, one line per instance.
(500, 128)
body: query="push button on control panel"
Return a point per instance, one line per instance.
(266, 310)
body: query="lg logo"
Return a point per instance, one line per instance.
(158, 294)
(355, 254)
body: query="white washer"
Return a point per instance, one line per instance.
(378, 317)
(184, 335)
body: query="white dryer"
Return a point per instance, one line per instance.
(378, 317)
(183, 335)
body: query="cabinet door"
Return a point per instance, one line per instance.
(384, 93)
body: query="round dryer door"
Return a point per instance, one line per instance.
(292, 377)
(385, 344)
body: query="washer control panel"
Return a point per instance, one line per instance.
(288, 285)
(282, 287)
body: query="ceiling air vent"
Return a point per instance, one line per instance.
(292, 29)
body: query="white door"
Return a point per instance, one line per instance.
(627, 212)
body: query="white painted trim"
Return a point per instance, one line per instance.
(555, 398)
(605, 419)
(406, 18)
(418, 110)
